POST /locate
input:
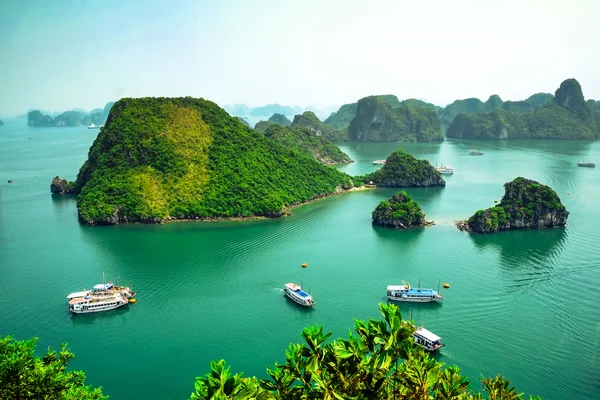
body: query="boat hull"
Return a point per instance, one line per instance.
(412, 300)
(290, 295)
(84, 310)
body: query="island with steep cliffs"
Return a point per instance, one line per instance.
(306, 141)
(377, 121)
(526, 204)
(403, 170)
(566, 116)
(61, 186)
(309, 120)
(280, 119)
(160, 159)
(400, 211)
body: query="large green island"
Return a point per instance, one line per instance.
(160, 159)
(526, 204)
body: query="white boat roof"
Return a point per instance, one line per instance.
(103, 286)
(77, 294)
(398, 287)
(427, 334)
(292, 286)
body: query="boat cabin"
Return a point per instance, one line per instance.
(427, 339)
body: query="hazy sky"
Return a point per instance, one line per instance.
(59, 54)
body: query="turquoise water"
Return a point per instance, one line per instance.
(520, 303)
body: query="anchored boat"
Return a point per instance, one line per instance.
(296, 294)
(445, 169)
(89, 304)
(427, 339)
(476, 152)
(104, 290)
(407, 293)
(586, 164)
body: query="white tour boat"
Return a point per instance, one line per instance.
(295, 293)
(93, 126)
(427, 339)
(445, 169)
(590, 164)
(103, 290)
(409, 294)
(379, 162)
(476, 152)
(89, 304)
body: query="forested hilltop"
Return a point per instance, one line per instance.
(186, 158)
(309, 120)
(306, 141)
(567, 116)
(70, 118)
(377, 121)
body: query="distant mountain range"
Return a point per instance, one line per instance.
(244, 110)
(74, 117)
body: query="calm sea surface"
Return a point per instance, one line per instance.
(524, 304)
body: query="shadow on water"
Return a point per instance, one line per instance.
(63, 200)
(402, 237)
(525, 255)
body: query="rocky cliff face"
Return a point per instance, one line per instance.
(565, 117)
(61, 186)
(400, 211)
(376, 120)
(526, 204)
(309, 120)
(403, 170)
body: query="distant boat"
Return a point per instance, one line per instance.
(427, 339)
(379, 162)
(476, 152)
(445, 169)
(92, 126)
(409, 294)
(586, 164)
(296, 294)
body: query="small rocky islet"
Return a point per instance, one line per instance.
(526, 204)
(400, 211)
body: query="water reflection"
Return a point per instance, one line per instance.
(525, 256)
(63, 200)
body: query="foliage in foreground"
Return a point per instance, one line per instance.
(380, 361)
(24, 376)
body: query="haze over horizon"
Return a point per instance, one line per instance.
(63, 54)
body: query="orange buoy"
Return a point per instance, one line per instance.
(446, 285)
(304, 265)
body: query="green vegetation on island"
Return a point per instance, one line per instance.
(380, 361)
(261, 126)
(280, 119)
(567, 116)
(309, 120)
(307, 142)
(69, 118)
(377, 120)
(526, 204)
(403, 170)
(25, 376)
(594, 107)
(400, 211)
(342, 118)
(474, 105)
(243, 121)
(186, 158)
